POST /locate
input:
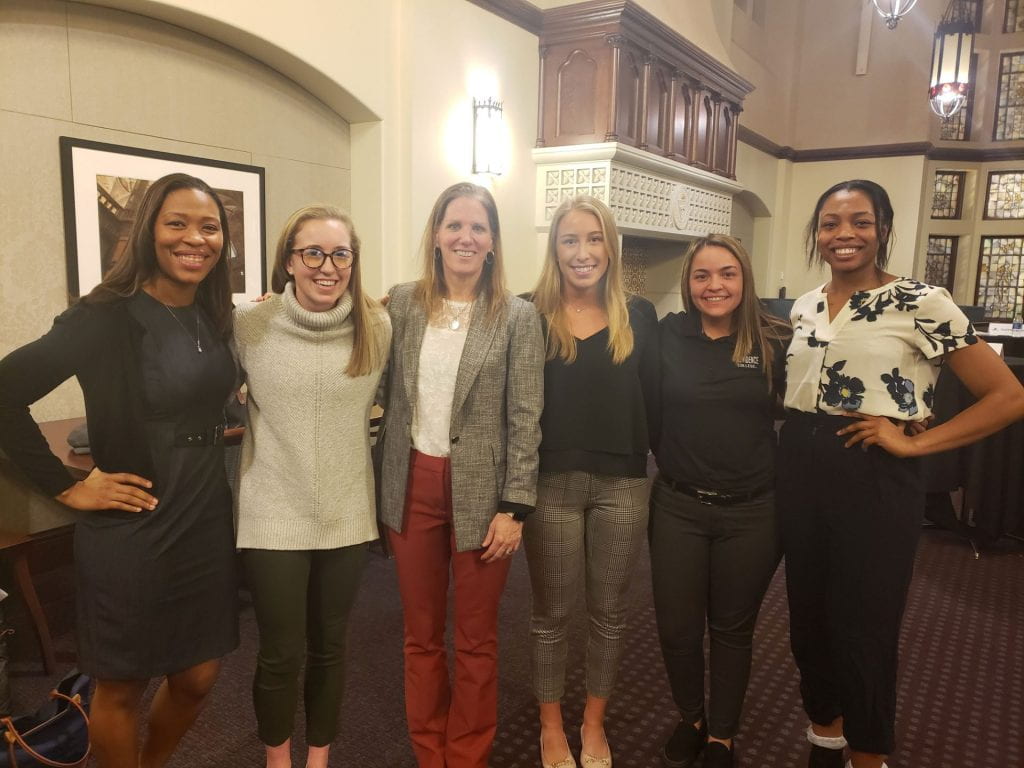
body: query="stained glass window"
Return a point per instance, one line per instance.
(958, 127)
(1010, 105)
(1001, 277)
(947, 194)
(940, 261)
(1005, 198)
(955, 127)
(1014, 19)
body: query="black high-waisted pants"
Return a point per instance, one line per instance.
(850, 521)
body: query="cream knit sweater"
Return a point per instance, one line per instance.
(305, 479)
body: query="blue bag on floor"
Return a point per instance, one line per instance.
(57, 735)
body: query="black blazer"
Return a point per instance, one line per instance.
(101, 345)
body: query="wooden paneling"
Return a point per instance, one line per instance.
(683, 118)
(627, 105)
(610, 71)
(704, 128)
(657, 108)
(576, 92)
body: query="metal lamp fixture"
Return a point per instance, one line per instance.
(893, 10)
(952, 50)
(487, 136)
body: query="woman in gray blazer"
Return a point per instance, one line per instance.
(464, 394)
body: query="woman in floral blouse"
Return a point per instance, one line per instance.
(866, 350)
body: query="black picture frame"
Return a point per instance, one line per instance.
(101, 182)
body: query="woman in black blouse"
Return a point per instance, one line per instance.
(591, 511)
(714, 542)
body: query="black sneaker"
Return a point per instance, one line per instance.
(684, 745)
(717, 755)
(823, 757)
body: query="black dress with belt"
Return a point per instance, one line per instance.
(156, 591)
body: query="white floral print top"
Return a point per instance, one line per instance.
(880, 355)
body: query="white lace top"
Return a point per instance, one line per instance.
(440, 356)
(880, 355)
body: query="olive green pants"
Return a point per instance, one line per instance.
(302, 600)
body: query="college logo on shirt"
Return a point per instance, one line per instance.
(750, 361)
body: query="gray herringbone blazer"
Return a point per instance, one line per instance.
(495, 427)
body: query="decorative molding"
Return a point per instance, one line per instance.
(520, 12)
(925, 148)
(979, 155)
(650, 196)
(859, 153)
(638, 158)
(757, 141)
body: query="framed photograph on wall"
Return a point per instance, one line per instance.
(103, 185)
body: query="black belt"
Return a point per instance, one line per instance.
(200, 439)
(717, 498)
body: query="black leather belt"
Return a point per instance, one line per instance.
(717, 498)
(200, 439)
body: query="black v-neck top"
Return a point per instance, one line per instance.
(595, 412)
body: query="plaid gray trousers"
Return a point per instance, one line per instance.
(585, 526)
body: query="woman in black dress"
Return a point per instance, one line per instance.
(154, 552)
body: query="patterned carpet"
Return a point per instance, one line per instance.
(961, 693)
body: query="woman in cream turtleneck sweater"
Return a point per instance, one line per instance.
(312, 355)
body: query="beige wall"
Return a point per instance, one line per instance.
(500, 60)
(72, 69)
(902, 178)
(789, 191)
(767, 55)
(808, 95)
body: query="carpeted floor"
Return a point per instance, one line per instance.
(961, 692)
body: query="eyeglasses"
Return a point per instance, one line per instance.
(314, 258)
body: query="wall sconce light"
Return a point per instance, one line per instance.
(487, 136)
(952, 50)
(893, 10)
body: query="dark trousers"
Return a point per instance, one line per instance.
(451, 723)
(850, 521)
(710, 564)
(302, 599)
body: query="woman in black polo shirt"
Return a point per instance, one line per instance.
(588, 528)
(714, 542)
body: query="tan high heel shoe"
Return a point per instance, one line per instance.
(590, 761)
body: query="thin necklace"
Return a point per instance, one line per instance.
(199, 347)
(455, 316)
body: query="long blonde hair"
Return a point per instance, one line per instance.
(755, 327)
(431, 287)
(369, 352)
(547, 296)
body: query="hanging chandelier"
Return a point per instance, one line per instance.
(893, 10)
(952, 50)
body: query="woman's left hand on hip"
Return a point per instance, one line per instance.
(504, 536)
(880, 431)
